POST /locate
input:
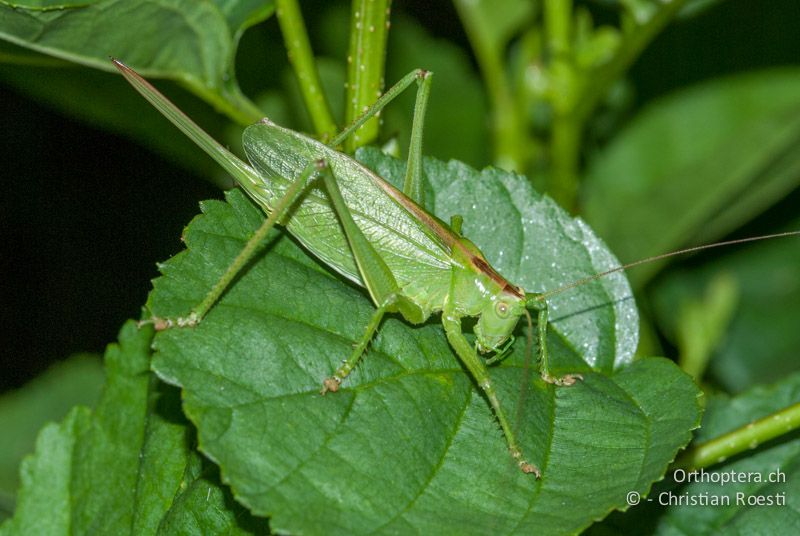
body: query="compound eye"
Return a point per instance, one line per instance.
(501, 308)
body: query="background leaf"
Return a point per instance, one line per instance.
(76, 381)
(48, 4)
(188, 41)
(696, 165)
(43, 506)
(66, 87)
(644, 7)
(125, 467)
(762, 341)
(408, 444)
(495, 23)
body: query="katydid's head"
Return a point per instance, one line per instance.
(498, 319)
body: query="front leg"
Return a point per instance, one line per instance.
(468, 355)
(540, 306)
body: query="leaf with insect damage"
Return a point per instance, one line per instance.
(409, 443)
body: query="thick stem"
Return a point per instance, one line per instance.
(745, 438)
(508, 125)
(566, 132)
(302, 59)
(509, 133)
(369, 27)
(632, 46)
(565, 155)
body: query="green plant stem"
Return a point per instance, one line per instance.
(567, 127)
(558, 24)
(634, 42)
(565, 144)
(369, 28)
(509, 130)
(301, 57)
(575, 95)
(508, 126)
(747, 437)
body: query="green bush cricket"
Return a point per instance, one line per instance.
(378, 237)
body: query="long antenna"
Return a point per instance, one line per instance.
(624, 267)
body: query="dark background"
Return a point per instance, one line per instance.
(85, 215)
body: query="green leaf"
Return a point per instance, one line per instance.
(409, 444)
(694, 8)
(761, 343)
(189, 41)
(708, 158)
(125, 467)
(47, 398)
(43, 502)
(47, 4)
(702, 323)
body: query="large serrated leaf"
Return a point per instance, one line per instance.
(408, 444)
